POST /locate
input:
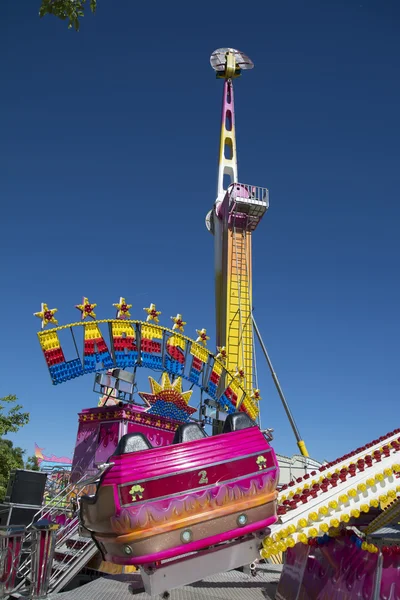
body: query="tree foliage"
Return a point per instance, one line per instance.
(11, 457)
(14, 419)
(71, 10)
(32, 463)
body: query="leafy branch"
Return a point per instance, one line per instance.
(73, 10)
(12, 417)
(10, 422)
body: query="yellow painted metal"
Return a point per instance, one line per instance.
(302, 448)
(230, 65)
(232, 70)
(391, 512)
(232, 254)
(239, 325)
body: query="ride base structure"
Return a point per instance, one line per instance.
(176, 478)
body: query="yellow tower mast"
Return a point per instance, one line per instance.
(237, 211)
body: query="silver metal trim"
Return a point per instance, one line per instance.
(103, 467)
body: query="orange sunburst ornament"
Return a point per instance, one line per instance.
(168, 400)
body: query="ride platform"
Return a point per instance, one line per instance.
(233, 585)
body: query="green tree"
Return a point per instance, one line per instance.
(32, 463)
(73, 10)
(14, 419)
(11, 457)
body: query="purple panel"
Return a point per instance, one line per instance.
(107, 441)
(85, 450)
(156, 437)
(337, 570)
(390, 582)
(292, 574)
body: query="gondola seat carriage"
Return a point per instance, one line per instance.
(154, 504)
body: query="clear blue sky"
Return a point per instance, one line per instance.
(109, 142)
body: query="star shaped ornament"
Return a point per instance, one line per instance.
(203, 337)
(256, 395)
(122, 309)
(86, 308)
(152, 313)
(47, 315)
(239, 374)
(222, 356)
(179, 323)
(167, 399)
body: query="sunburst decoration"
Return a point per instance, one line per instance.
(47, 315)
(86, 308)
(179, 323)
(168, 400)
(122, 308)
(152, 313)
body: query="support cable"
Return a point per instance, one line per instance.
(301, 444)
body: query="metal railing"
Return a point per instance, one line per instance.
(247, 205)
(11, 540)
(250, 193)
(74, 557)
(64, 510)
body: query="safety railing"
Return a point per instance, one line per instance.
(62, 514)
(247, 205)
(11, 540)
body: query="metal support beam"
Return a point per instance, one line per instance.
(160, 580)
(301, 444)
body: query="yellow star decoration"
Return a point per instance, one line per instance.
(179, 323)
(256, 395)
(239, 374)
(222, 356)
(203, 337)
(157, 388)
(152, 313)
(123, 308)
(47, 315)
(87, 309)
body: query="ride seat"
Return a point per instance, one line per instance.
(237, 421)
(132, 442)
(188, 432)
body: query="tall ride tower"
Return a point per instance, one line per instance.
(237, 211)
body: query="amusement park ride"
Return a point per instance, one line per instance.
(181, 492)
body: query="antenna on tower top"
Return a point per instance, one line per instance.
(229, 63)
